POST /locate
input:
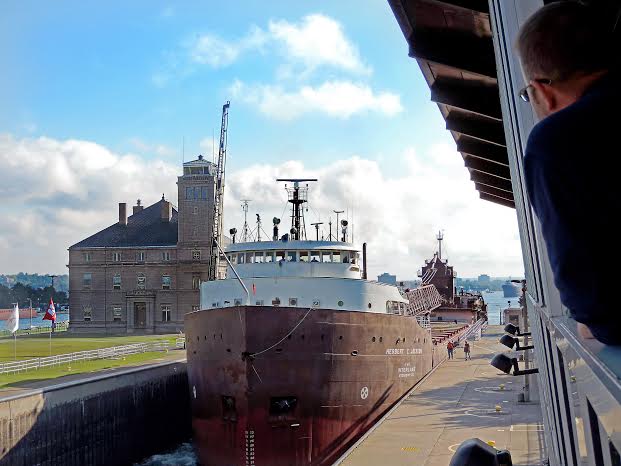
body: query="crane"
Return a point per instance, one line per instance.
(218, 207)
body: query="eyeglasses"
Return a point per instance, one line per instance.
(524, 91)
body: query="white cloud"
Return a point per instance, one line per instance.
(56, 193)
(210, 49)
(317, 40)
(340, 99)
(143, 147)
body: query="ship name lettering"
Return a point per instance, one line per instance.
(392, 351)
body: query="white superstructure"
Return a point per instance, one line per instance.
(306, 274)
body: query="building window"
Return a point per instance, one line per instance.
(116, 281)
(140, 256)
(166, 282)
(88, 313)
(196, 255)
(196, 281)
(116, 257)
(188, 193)
(204, 192)
(116, 313)
(87, 280)
(141, 281)
(165, 312)
(166, 256)
(87, 257)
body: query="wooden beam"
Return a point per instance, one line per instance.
(493, 181)
(482, 188)
(469, 96)
(482, 129)
(483, 150)
(454, 48)
(484, 166)
(497, 200)
(480, 6)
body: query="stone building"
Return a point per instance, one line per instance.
(142, 274)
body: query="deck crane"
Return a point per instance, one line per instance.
(218, 206)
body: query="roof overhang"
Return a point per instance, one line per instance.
(452, 42)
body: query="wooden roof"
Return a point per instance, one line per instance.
(452, 42)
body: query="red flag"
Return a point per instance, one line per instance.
(254, 289)
(50, 314)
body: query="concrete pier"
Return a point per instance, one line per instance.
(456, 402)
(102, 419)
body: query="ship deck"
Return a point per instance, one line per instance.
(454, 403)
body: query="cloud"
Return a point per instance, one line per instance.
(210, 49)
(143, 147)
(56, 193)
(340, 99)
(317, 40)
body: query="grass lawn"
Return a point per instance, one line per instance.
(34, 346)
(16, 380)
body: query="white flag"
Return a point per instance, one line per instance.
(12, 323)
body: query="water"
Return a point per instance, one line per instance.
(496, 303)
(37, 321)
(183, 456)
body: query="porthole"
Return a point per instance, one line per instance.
(381, 338)
(373, 339)
(369, 305)
(340, 337)
(302, 336)
(403, 339)
(198, 338)
(340, 303)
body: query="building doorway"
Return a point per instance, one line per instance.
(140, 315)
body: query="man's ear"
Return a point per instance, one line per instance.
(546, 96)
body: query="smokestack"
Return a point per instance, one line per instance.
(364, 261)
(166, 211)
(122, 213)
(137, 207)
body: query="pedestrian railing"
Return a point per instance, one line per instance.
(35, 329)
(113, 352)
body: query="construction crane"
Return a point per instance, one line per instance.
(218, 207)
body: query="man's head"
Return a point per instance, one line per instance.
(563, 47)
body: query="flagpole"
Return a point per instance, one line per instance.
(15, 344)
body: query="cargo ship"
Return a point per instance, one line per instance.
(510, 289)
(296, 354)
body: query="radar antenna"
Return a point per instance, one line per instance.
(298, 195)
(246, 229)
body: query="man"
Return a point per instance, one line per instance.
(567, 51)
(467, 350)
(449, 347)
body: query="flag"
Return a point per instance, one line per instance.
(51, 312)
(254, 289)
(12, 323)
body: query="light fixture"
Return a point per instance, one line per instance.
(504, 363)
(510, 342)
(475, 452)
(514, 329)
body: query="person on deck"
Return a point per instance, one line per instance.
(449, 347)
(569, 56)
(467, 350)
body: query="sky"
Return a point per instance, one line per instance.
(102, 101)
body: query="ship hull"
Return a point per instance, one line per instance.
(510, 291)
(301, 401)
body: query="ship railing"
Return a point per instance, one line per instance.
(113, 352)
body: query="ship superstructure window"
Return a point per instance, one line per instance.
(392, 307)
(336, 256)
(116, 257)
(165, 312)
(116, 313)
(141, 281)
(326, 256)
(241, 258)
(250, 258)
(87, 313)
(292, 256)
(269, 256)
(116, 281)
(166, 256)
(196, 255)
(280, 256)
(258, 257)
(303, 256)
(345, 255)
(315, 256)
(87, 280)
(166, 282)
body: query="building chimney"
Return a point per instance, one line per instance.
(137, 207)
(166, 211)
(122, 213)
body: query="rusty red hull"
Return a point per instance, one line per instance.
(301, 401)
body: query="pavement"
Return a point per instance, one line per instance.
(457, 402)
(28, 386)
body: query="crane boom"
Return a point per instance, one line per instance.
(218, 206)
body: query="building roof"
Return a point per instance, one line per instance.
(452, 42)
(143, 229)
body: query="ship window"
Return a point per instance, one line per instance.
(303, 256)
(276, 302)
(237, 302)
(250, 258)
(240, 258)
(259, 302)
(345, 257)
(336, 256)
(315, 257)
(291, 256)
(269, 256)
(258, 257)
(354, 257)
(293, 301)
(326, 256)
(280, 256)
(392, 307)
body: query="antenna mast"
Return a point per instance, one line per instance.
(298, 195)
(246, 229)
(440, 237)
(218, 206)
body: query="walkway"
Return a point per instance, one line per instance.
(455, 403)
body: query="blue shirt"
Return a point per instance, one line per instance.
(571, 169)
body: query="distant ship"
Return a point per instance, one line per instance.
(296, 354)
(511, 290)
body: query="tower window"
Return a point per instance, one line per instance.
(166, 282)
(165, 312)
(204, 192)
(116, 281)
(87, 257)
(87, 280)
(140, 256)
(196, 255)
(166, 256)
(116, 256)
(189, 193)
(196, 281)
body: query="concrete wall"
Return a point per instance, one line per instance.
(116, 419)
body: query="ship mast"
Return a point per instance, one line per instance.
(440, 237)
(298, 195)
